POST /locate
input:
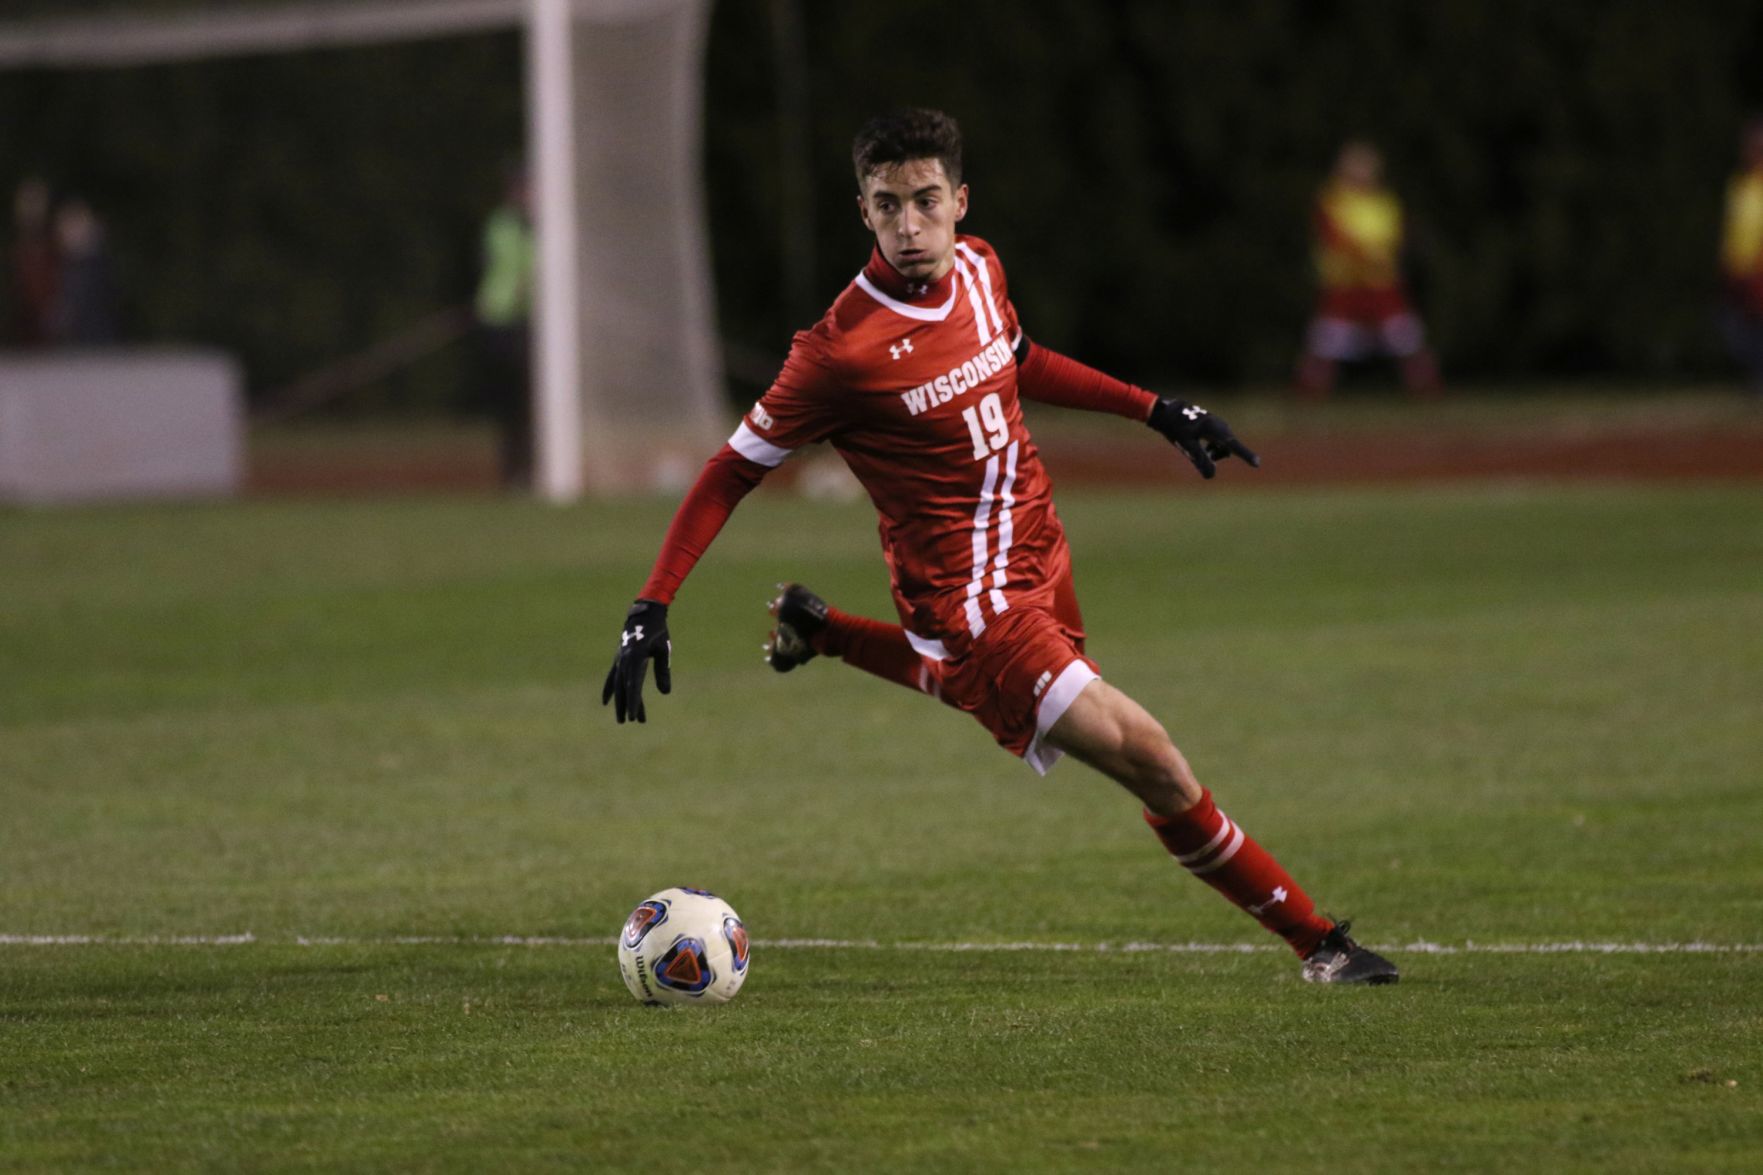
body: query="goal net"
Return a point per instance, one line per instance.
(627, 380)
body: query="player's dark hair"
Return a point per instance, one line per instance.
(905, 135)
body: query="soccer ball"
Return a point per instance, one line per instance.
(683, 946)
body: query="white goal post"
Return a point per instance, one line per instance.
(627, 379)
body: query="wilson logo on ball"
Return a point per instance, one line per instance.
(736, 934)
(643, 919)
(684, 967)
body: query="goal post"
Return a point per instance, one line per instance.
(626, 332)
(627, 375)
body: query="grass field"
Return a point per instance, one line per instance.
(1465, 716)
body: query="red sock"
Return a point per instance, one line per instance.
(1208, 844)
(881, 649)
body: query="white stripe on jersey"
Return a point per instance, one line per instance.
(756, 448)
(921, 313)
(985, 281)
(974, 300)
(982, 517)
(1006, 532)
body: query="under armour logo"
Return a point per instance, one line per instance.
(636, 633)
(903, 347)
(1193, 412)
(1279, 895)
(917, 289)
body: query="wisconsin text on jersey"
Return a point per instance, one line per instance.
(989, 361)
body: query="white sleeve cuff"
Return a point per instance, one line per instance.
(756, 448)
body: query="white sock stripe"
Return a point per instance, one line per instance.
(1224, 827)
(1230, 850)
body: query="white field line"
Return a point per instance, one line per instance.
(1419, 947)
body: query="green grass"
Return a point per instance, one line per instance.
(1514, 715)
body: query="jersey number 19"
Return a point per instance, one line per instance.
(987, 426)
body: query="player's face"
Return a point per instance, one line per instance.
(912, 211)
(1360, 165)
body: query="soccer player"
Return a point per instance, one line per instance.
(1364, 309)
(915, 376)
(1741, 258)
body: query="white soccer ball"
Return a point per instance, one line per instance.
(683, 946)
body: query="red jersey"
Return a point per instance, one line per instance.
(916, 386)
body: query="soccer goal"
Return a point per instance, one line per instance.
(627, 387)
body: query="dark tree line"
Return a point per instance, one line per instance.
(1144, 167)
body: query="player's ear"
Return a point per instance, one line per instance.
(961, 202)
(863, 212)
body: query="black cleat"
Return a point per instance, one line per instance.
(801, 616)
(1338, 959)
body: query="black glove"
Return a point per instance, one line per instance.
(645, 638)
(1200, 435)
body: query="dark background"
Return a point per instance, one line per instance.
(1144, 168)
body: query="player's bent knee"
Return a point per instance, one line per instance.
(1162, 777)
(1114, 734)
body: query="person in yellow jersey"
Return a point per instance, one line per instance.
(1364, 309)
(1741, 258)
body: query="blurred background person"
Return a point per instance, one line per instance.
(503, 311)
(84, 313)
(1364, 308)
(32, 267)
(1741, 258)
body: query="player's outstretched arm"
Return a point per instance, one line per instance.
(644, 639)
(1202, 437)
(1052, 378)
(725, 480)
(1044, 374)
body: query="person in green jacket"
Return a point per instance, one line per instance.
(503, 312)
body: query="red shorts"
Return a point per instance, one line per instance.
(1366, 305)
(1022, 674)
(1355, 322)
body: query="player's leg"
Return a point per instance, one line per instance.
(1330, 341)
(1743, 332)
(1402, 335)
(1114, 734)
(807, 626)
(1108, 730)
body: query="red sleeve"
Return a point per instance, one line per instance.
(724, 481)
(1052, 378)
(800, 406)
(794, 412)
